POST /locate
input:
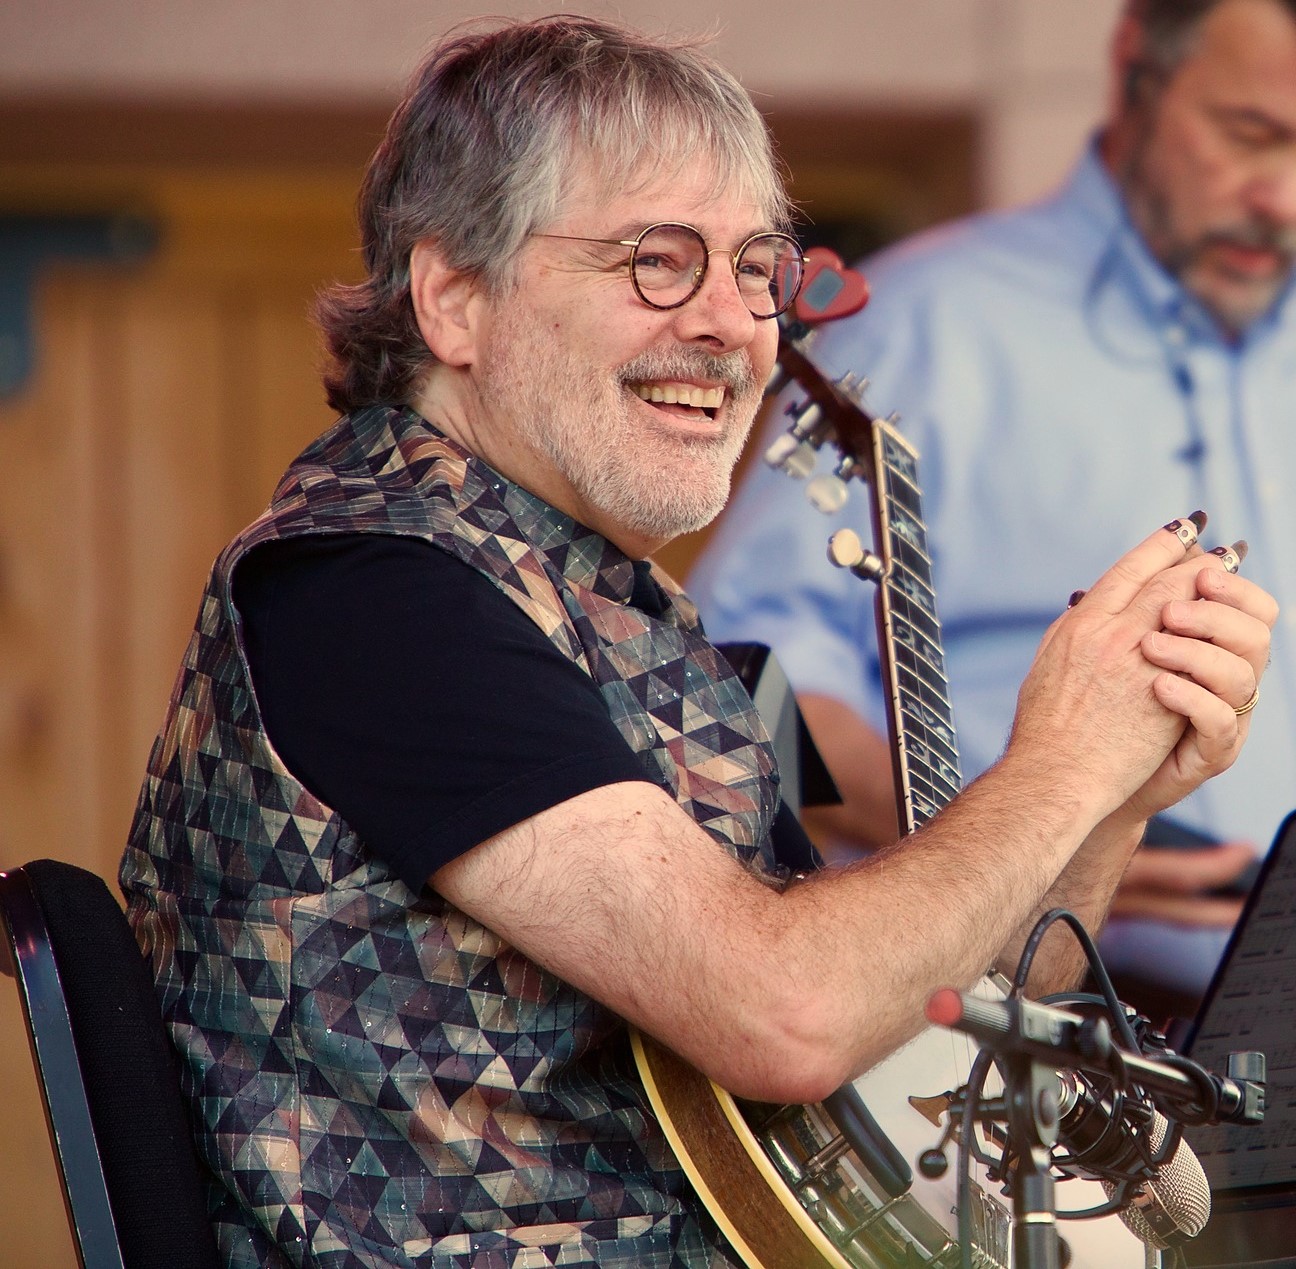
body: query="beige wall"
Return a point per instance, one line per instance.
(1033, 68)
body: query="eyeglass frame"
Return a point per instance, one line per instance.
(707, 252)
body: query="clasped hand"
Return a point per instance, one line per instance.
(1132, 700)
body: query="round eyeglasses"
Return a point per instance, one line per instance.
(668, 264)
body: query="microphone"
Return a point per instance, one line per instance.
(1018, 1025)
(1111, 1140)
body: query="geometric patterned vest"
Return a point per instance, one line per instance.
(379, 1080)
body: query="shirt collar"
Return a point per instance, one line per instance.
(585, 559)
(1124, 257)
(1091, 190)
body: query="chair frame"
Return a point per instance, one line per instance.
(131, 1178)
(63, 1091)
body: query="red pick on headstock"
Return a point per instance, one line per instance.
(829, 289)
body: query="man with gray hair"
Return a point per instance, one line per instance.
(1127, 342)
(453, 791)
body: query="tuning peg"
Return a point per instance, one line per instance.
(853, 386)
(846, 468)
(808, 422)
(828, 494)
(845, 550)
(795, 457)
(797, 452)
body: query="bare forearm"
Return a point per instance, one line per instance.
(950, 898)
(778, 996)
(859, 759)
(1085, 888)
(784, 995)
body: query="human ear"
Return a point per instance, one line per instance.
(446, 305)
(1131, 69)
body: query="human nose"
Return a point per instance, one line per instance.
(717, 313)
(1272, 192)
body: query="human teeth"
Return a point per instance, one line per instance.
(680, 394)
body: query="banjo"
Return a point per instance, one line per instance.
(830, 1186)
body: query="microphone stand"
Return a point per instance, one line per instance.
(1030, 1091)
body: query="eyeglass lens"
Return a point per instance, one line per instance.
(669, 263)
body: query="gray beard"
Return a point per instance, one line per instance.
(656, 486)
(1150, 211)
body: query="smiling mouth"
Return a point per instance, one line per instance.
(689, 395)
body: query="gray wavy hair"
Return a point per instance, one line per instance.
(1170, 27)
(488, 142)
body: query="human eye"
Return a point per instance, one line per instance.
(659, 260)
(759, 261)
(1249, 130)
(663, 253)
(668, 256)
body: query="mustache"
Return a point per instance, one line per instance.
(1257, 235)
(734, 369)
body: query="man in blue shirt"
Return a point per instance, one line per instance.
(1066, 369)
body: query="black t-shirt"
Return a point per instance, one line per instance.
(408, 693)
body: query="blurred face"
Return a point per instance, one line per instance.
(629, 418)
(1207, 160)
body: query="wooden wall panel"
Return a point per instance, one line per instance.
(281, 400)
(167, 400)
(47, 603)
(52, 717)
(172, 486)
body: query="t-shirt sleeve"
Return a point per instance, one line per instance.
(408, 693)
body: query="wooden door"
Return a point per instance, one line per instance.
(166, 399)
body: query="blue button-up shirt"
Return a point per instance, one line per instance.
(1067, 397)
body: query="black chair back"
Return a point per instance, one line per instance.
(132, 1180)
